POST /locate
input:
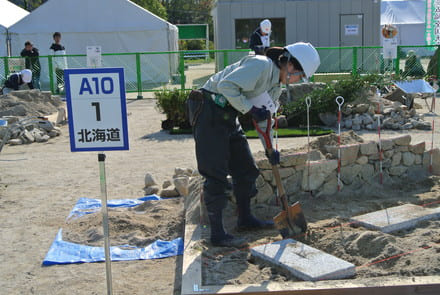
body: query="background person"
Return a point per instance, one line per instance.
(221, 146)
(32, 62)
(60, 62)
(16, 80)
(260, 38)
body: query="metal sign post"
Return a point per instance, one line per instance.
(98, 122)
(339, 102)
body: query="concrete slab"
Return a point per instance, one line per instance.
(396, 218)
(303, 261)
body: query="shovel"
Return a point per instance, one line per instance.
(290, 221)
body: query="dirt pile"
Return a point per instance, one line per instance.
(349, 137)
(137, 226)
(28, 103)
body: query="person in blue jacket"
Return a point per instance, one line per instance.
(221, 146)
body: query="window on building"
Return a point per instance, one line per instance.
(245, 27)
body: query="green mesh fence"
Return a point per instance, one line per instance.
(152, 71)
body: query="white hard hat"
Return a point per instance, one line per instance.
(266, 26)
(306, 55)
(26, 75)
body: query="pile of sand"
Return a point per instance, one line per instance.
(349, 137)
(137, 226)
(28, 103)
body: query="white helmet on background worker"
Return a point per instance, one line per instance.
(26, 75)
(266, 26)
(306, 55)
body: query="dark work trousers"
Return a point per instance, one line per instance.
(222, 150)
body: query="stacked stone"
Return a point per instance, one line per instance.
(178, 186)
(33, 131)
(395, 117)
(360, 166)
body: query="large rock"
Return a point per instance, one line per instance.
(397, 157)
(319, 171)
(367, 171)
(170, 192)
(29, 136)
(263, 164)
(290, 160)
(267, 175)
(181, 184)
(402, 140)
(349, 153)
(292, 184)
(397, 170)
(367, 119)
(361, 108)
(149, 180)
(349, 173)
(348, 123)
(387, 144)
(369, 148)
(362, 160)
(329, 119)
(286, 172)
(408, 158)
(418, 148)
(418, 160)
(330, 187)
(357, 120)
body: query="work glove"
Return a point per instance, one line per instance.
(274, 157)
(259, 114)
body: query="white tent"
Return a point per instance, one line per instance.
(408, 16)
(9, 15)
(118, 26)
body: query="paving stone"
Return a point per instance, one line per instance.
(303, 261)
(396, 218)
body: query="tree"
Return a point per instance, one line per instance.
(188, 11)
(154, 6)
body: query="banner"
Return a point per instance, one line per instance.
(432, 32)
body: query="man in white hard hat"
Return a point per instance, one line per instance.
(221, 145)
(16, 80)
(260, 38)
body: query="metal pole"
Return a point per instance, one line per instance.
(108, 266)
(355, 61)
(308, 103)
(139, 75)
(340, 102)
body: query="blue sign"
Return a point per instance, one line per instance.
(97, 109)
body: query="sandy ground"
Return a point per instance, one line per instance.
(40, 183)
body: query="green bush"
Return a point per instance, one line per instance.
(323, 100)
(172, 104)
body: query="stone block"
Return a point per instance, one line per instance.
(387, 144)
(286, 172)
(369, 148)
(292, 184)
(402, 140)
(349, 173)
(408, 158)
(267, 175)
(349, 153)
(388, 154)
(304, 262)
(418, 148)
(401, 149)
(182, 185)
(319, 171)
(397, 157)
(362, 160)
(291, 160)
(265, 194)
(396, 218)
(263, 164)
(330, 187)
(367, 171)
(397, 170)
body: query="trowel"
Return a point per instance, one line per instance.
(291, 220)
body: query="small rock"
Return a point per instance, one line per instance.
(370, 127)
(357, 120)
(330, 187)
(356, 127)
(267, 175)
(265, 194)
(367, 119)
(387, 144)
(407, 126)
(408, 158)
(367, 171)
(149, 180)
(347, 109)
(361, 108)
(181, 184)
(169, 193)
(423, 125)
(418, 160)
(166, 184)
(179, 172)
(28, 135)
(44, 138)
(348, 123)
(388, 154)
(151, 190)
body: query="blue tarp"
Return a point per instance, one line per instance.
(62, 252)
(415, 86)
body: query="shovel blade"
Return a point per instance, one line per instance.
(291, 223)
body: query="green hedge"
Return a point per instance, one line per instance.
(173, 105)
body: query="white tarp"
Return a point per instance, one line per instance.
(409, 18)
(9, 15)
(118, 26)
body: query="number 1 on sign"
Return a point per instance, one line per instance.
(98, 110)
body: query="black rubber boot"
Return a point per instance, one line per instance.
(219, 237)
(246, 221)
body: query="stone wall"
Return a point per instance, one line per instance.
(359, 166)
